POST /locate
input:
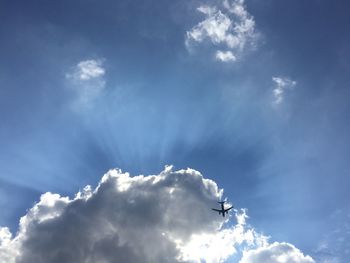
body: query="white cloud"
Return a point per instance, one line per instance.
(7, 253)
(276, 253)
(157, 218)
(225, 56)
(87, 80)
(89, 69)
(281, 85)
(230, 26)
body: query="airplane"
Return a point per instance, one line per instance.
(223, 211)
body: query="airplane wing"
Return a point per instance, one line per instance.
(217, 210)
(228, 208)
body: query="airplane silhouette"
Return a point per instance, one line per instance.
(223, 211)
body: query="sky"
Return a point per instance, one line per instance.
(250, 95)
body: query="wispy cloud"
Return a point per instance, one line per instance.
(281, 85)
(156, 218)
(87, 80)
(225, 56)
(227, 26)
(88, 69)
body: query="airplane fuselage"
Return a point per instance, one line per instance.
(222, 211)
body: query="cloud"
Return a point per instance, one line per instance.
(6, 254)
(88, 69)
(281, 85)
(227, 26)
(276, 253)
(87, 80)
(225, 56)
(156, 218)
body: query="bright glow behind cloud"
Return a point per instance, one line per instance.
(276, 253)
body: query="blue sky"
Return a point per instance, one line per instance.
(267, 119)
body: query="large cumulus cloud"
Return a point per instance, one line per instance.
(158, 218)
